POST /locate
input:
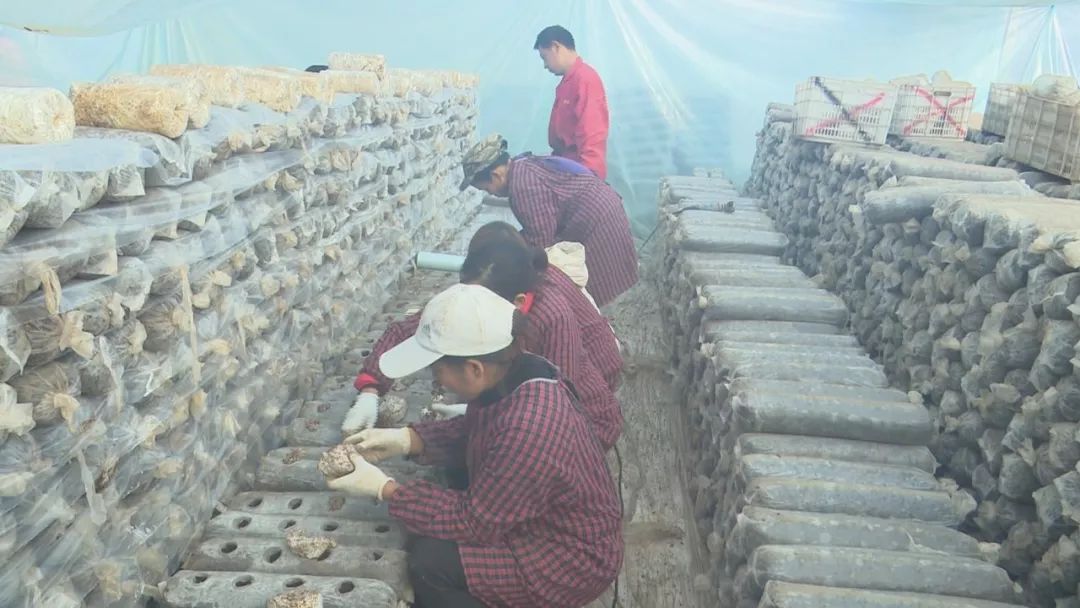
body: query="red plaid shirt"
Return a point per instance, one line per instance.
(597, 337)
(554, 206)
(554, 334)
(540, 523)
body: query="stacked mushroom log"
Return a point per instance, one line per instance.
(962, 282)
(168, 299)
(814, 485)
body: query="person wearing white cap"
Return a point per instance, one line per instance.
(539, 524)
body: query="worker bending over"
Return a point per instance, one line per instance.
(517, 273)
(539, 525)
(556, 199)
(565, 272)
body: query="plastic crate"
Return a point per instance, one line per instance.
(932, 111)
(1045, 134)
(832, 110)
(999, 107)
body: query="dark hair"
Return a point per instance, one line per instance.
(484, 174)
(552, 34)
(317, 68)
(504, 356)
(506, 267)
(492, 231)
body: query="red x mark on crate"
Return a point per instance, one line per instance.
(938, 111)
(848, 116)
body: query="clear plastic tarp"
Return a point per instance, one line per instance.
(686, 79)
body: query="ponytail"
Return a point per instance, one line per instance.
(503, 266)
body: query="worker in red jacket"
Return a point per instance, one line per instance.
(539, 525)
(578, 128)
(556, 199)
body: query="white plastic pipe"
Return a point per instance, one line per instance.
(445, 262)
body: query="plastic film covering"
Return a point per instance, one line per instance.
(679, 76)
(165, 300)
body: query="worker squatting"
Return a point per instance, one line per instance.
(531, 516)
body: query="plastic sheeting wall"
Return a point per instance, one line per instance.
(686, 79)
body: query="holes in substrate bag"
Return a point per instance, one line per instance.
(293, 583)
(295, 503)
(324, 556)
(242, 522)
(376, 556)
(256, 502)
(199, 579)
(228, 547)
(365, 353)
(272, 555)
(330, 526)
(285, 525)
(382, 529)
(243, 581)
(346, 587)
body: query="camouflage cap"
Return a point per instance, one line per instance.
(482, 156)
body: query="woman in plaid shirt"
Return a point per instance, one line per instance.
(556, 199)
(512, 270)
(539, 525)
(597, 337)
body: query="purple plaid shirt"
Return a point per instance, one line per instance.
(554, 206)
(539, 525)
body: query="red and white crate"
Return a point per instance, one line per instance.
(844, 111)
(940, 112)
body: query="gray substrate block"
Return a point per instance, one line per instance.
(772, 304)
(877, 570)
(304, 504)
(283, 475)
(274, 556)
(756, 527)
(195, 589)
(836, 449)
(791, 595)
(717, 329)
(836, 341)
(808, 413)
(757, 466)
(730, 239)
(375, 533)
(937, 507)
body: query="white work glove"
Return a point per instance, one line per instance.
(379, 444)
(362, 415)
(365, 480)
(449, 411)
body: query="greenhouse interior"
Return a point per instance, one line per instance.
(581, 303)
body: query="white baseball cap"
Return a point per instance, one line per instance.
(463, 321)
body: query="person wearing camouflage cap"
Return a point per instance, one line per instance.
(555, 200)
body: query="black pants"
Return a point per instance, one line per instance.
(437, 576)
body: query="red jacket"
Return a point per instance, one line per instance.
(578, 128)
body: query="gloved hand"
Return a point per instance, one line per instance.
(379, 444)
(449, 411)
(362, 415)
(365, 480)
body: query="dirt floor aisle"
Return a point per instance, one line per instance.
(663, 551)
